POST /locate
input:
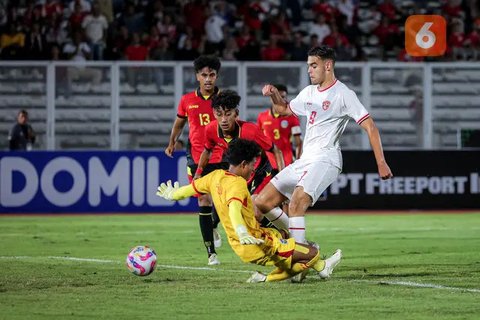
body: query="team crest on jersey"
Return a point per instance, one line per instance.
(283, 241)
(219, 189)
(284, 124)
(325, 105)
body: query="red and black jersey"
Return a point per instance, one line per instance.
(198, 110)
(245, 130)
(280, 129)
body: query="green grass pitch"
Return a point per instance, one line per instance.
(395, 266)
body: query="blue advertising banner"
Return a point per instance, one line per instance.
(89, 182)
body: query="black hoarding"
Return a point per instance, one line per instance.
(422, 180)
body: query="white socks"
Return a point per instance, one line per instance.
(297, 229)
(278, 218)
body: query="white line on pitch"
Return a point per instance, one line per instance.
(398, 283)
(420, 285)
(116, 261)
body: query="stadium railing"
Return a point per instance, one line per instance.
(132, 105)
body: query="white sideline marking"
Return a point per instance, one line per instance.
(420, 285)
(116, 261)
(398, 283)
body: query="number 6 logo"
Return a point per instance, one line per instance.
(425, 35)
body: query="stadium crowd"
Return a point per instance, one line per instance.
(270, 30)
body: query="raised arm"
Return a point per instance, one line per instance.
(279, 104)
(174, 192)
(202, 162)
(176, 131)
(374, 136)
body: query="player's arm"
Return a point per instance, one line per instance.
(202, 162)
(297, 140)
(278, 158)
(374, 136)
(235, 215)
(175, 134)
(174, 192)
(279, 104)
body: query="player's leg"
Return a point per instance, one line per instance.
(206, 227)
(291, 259)
(297, 208)
(217, 239)
(315, 178)
(271, 197)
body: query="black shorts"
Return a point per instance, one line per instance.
(208, 168)
(261, 178)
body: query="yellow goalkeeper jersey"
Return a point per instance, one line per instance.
(225, 187)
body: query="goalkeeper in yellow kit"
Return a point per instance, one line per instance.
(252, 243)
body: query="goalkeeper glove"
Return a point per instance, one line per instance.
(245, 237)
(166, 191)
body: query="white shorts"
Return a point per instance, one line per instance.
(313, 176)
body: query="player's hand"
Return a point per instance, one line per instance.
(167, 190)
(384, 171)
(169, 150)
(268, 90)
(245, 237)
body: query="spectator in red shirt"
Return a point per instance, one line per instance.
(279, 27)
(135, 52)
(388, 35)
(456, 40)
(76, 18)
(388, 9)
(195, 17)
(335, 39)
(273, 52)
(52, 7)
(472, 42)
(244, 37)
(453, 9)
(324, 8)
(340, 43)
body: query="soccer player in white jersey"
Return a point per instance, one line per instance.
(328, 105)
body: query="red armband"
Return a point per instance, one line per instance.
(199, 171)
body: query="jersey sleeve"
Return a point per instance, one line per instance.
(353, 107)
(295, 125)
(297, 105)
(202, 184)
(181, 108)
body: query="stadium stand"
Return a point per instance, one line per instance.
(147, 100)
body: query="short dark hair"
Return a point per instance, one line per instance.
(24, 112)
(242, 150)
(207, 61)
(323, 52)
(226, 99)
(281, 87)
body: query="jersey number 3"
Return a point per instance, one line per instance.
(276, 134)
(312, 117)
(204, 119)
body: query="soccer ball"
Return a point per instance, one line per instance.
(141, 260)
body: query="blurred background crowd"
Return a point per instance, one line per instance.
(269, 30)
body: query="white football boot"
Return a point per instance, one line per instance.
(330, 264)
(257, 277)
(213, 260)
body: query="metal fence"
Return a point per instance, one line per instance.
(132, 106)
